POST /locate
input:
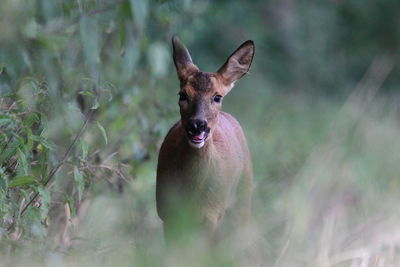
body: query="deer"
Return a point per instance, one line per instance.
(204, 165)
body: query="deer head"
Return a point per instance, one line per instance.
(201, 93)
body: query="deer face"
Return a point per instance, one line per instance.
(200, 100)
(201, 93)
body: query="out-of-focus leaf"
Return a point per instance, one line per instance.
(52, 43)
(131, 54)
(32, 221)
(9, 151)
(29, 140)
(4, 116)
(159, 59)
(22, 162)
(35, 138)
(31, 119)
(108, 88)
(73, 116)
(87, 93)
(84, 148)
(4, 206)
(96, 104)
(80, 183)
(125, 10)
(44, 123)
(3, 139)
(89, 34)
(103, 132)
(5, 121)
(43, 161)
(3, 180)
(31, 29)
(47, 144)
(139, 10)
(22, 181)
(45, 198)
(27, 92)
(71, 204)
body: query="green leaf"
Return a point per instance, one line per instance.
(3, 181)
(3, 139)
(71, 205)
(158, 56)
(35, 138)
(31, 119)
(43, 124)
(108, 89)
(22, 181)
(131, 56)
(86, 93)
(139, 10)
(45, 198)
(89, 34)
(78, 177)
(103, 132)
(96, 104)
(5, 121)
(47, 144)
(52, 42)
(4, 208)
(43, 162)
(4, 116)
(84, 148)
(9, 152)
(29, 140)
(32, 222)
(22, 162)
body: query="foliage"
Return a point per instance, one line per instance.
(25, 151)
(88, 90)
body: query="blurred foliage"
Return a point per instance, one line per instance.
(88, 91)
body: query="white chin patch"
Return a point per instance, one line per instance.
(196, 145)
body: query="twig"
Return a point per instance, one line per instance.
(55, 169)
(92, 167)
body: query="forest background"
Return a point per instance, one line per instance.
(88, 90)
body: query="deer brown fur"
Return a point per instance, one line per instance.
(204, 165)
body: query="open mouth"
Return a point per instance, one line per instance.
(197, 140)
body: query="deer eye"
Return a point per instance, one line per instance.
(183, 96)
(217, 98)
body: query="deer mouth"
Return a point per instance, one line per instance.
(197, 140)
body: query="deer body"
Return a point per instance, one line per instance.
(204, 164)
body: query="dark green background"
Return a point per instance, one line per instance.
(319, 108)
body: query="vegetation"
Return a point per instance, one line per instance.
(88, 91)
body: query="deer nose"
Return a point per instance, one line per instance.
(197, 126)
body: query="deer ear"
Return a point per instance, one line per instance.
(183, 62)
(238, 64)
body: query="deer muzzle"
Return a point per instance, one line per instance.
(197, 132)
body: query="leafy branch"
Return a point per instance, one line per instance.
(59, 165)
